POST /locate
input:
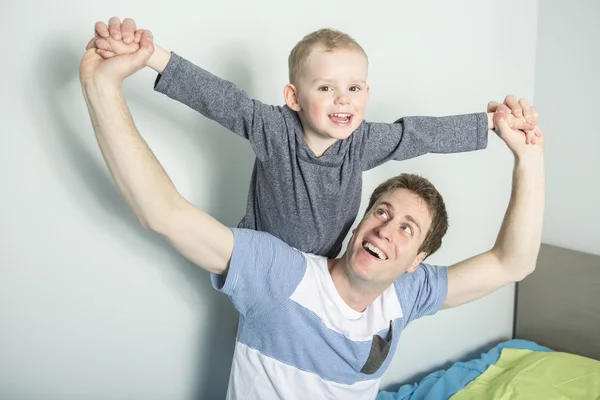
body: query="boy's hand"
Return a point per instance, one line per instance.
(117, 30)
(117, 38)
(514, 137)
(96, 69)
(521, 116)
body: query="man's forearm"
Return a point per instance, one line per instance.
(139, 176)
(519, 240)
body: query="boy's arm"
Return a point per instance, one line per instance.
(415, 136)
(515, 252)
(222, 101)
(139, 176)
(215, 98)
(411, 137)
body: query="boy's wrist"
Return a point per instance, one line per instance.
(490, 117)
(159, 60)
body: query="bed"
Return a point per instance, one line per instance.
(555, 350)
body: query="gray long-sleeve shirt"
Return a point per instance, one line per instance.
(307, 201)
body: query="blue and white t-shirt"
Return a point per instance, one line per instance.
(297, 338)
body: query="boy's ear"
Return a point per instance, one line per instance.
(418, 260)
(290, 94)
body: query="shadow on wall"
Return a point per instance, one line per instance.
(57, 67)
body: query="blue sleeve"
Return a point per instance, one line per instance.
(422, 292)
(263, 272)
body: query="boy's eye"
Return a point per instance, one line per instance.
(355, 88)
(325, 88)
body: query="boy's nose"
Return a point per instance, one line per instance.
(342, 99)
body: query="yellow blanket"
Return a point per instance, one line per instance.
(525, 374)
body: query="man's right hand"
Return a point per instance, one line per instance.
(514, 138)
(120, 38)
(94, 68)
(521, 116)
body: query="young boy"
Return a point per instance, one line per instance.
(310, 154)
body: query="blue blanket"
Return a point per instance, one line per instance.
(445, 383)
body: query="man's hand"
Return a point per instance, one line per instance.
(116, 68)
(117, 38)
(522, 116)
(514, 137)
(120, 38)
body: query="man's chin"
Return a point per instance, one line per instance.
(365, 271)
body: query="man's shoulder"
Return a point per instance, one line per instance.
(263, 271)
(258, 240)
(411, 281)
(253, 246)
(423, 291)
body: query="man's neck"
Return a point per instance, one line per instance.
(356, 294)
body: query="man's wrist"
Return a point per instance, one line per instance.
(531, 159)
(100, 87)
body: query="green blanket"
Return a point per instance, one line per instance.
(526, 374)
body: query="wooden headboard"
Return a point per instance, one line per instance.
(558, 305)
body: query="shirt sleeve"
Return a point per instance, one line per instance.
(422, 292)
(225, 103)
(414, 136)
(263, 272)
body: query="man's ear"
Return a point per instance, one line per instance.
(418, 260)
(290, 94)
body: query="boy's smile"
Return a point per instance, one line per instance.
(341, 119)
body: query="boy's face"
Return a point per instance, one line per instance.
(386, 242)
(332, 93)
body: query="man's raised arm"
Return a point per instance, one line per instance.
(515, 252)
(142, 181)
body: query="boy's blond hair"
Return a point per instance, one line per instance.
(328, 39)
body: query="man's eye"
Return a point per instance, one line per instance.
(407, 229)
(381, 213)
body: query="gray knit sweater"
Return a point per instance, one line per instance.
(307, 201)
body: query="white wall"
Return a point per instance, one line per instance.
(566, 89)
(94, 307)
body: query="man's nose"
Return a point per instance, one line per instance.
(384, 231)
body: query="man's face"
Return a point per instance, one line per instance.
(386, 242)
(333, 94)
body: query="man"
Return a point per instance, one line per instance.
(312, 327)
